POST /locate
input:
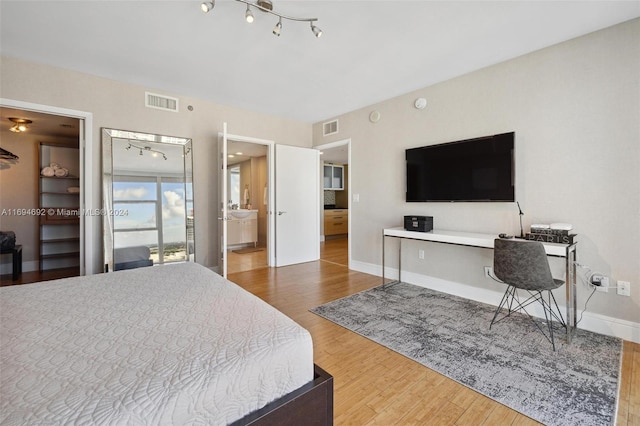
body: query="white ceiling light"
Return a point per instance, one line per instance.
(267, 7)
(248, 15)
(316, 31)
(277, 28)
(20, 124)
(207, 6)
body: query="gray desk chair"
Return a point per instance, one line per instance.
(523, 265)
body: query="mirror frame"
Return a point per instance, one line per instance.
(108, 135)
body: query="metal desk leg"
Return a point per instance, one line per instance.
(400, 260)
(571, 285)
(383, 241)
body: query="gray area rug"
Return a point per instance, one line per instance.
(512, 363)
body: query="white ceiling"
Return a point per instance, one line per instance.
(369, 51)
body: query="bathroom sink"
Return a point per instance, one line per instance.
(241, 213)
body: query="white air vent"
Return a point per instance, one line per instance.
(166, 103)
(330, 128)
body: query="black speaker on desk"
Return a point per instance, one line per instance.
(418, 223)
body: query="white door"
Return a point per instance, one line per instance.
(297, 205)
(222, 208)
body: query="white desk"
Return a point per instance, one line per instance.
(567, 251)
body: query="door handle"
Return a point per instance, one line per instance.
(281, 213)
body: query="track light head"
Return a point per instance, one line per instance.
(207, 6)
(316, 31)
(277, 28)
(248, 15)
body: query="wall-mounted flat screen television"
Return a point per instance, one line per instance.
(479, 169)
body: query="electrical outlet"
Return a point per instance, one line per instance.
(488, 271)
(421, 254)
(624, 288)
(600, 282)
(604, 285)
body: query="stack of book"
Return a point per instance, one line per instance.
(554, 233)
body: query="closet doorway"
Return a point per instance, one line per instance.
(90, 252)
(40, 194)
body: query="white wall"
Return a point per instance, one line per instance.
(121, 106)
(575, 108)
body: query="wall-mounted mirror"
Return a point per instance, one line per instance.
(147, 184)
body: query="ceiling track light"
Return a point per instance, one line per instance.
(267, 7)
(248, 15)
(207, 6)
(315, 30)
(146, 149)
(20, 124)
(277, 28)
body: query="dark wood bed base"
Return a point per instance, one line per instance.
(312, 404)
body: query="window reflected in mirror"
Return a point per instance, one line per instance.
(148, 185)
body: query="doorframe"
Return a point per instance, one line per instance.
(271, 252)
(336, 144)
(89, 200)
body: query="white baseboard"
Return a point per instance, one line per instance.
(7, 268)
(627, 330)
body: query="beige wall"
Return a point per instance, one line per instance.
(121, 106)
(259, 178)
(245, 182)
(342, 197)
(22, 178)
(575, 108)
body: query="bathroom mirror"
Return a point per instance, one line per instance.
(147, 185)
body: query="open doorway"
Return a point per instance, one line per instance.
(248, 204)
(335, 162)
(291, 200)
(40, 178)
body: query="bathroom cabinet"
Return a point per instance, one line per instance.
(242, 230)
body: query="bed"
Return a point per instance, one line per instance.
(172, 344)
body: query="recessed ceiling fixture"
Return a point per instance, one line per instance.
(20, 124)
(267, 7)
(143, 149)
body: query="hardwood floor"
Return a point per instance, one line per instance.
(238, 262)
(335, 251)
(374, 385)
(37, 276)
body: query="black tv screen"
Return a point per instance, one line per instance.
(479, 169)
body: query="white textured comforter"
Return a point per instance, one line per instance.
(174, 344)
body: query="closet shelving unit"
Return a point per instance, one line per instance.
(59, 208)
